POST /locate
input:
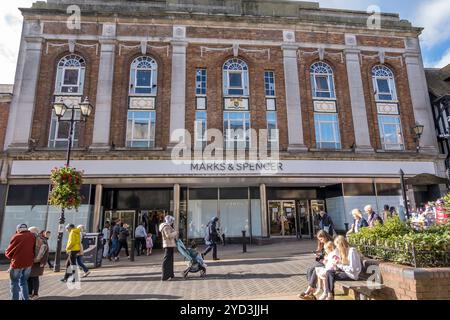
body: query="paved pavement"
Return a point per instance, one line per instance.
(268, 272)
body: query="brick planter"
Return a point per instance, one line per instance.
(408, 283)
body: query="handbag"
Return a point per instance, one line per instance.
(326, 229)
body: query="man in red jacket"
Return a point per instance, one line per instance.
(21, 253)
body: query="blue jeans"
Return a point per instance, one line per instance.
(81, 264)
(113, 248)
(19, 278)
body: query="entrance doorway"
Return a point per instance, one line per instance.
(283, 218)
(305, 219)
(128, 217)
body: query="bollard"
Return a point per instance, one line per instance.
(244, 242)
(224, 239)
(133, 243)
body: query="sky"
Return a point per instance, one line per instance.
(433, 15)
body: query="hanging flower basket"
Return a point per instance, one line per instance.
(66, 185)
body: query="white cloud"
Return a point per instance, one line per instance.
(10, 29)
(433, 15)
(444, 61)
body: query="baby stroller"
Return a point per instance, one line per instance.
(191, 256)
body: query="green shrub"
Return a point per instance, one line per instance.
(398, 242)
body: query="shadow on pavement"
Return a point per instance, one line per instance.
(114, 297)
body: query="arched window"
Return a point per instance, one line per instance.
(144, 76)
(235, 78)
(384, 83)
(70, 75)
(322, 81)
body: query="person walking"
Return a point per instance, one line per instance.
(358, 223)
(80, 261)
(106, 234)
(149, 244)
(169, 236)
(123, 241)
(372, 216)
(211, 238)
(115, 229)
(20, 252)
(47, 234)
(40, 260)
(140, 235)
(72, 249)
(387, 214)
(326, 224)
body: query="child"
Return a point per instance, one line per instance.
(194, 253)
(149, 243)
(330, 261)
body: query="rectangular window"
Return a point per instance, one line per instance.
(237, 130)
(235, 83)
(327, 131)
(323, 86)
(269, 83)
(200, 82)
(390, 132)
(141, 129)
(59, 130)
(143, 81)
(200, 130)
(272, 128)
(70, 81)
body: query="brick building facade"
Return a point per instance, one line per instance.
(342, 96)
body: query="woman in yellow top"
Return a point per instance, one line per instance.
(73, 248)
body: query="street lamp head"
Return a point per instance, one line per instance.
(86, 108)
(418, 130)
(60, 109)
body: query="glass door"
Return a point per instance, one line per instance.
(127, 218)
(316, 207)
(304, 215)
(283, 218)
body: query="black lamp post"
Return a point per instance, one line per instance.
(418, 131)
(60, 109)
(403, 187)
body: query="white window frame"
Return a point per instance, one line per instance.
(200, 140)
(54, 128)
(151, 141)
(336, 132)
(235, 66)
(322, 69)
(266, 82)
(70, 62)
(201, 82)
(398, 124)
(277, 132)
(381, 72)
(232, 141)
(144, 63)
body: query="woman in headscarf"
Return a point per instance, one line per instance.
(211, 238)
(169, 236)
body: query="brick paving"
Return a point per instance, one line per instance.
(274, 271)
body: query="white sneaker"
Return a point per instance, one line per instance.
(86, 274)
(323, 296)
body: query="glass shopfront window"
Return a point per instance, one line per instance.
(233, 208)
(255, 207)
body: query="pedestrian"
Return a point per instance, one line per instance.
(20, 252)
(169, 236)
(47, 234)
(106, 234)
(349, 267)
(326, 224)
(122, 241)
(358, 223)
(311, 276)
(149, 244)
(80, 255)
(140, 235)
(372, 216)
(41, 253)
(115, 229)
(72, 249)
(211, 238)
(387, 214)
